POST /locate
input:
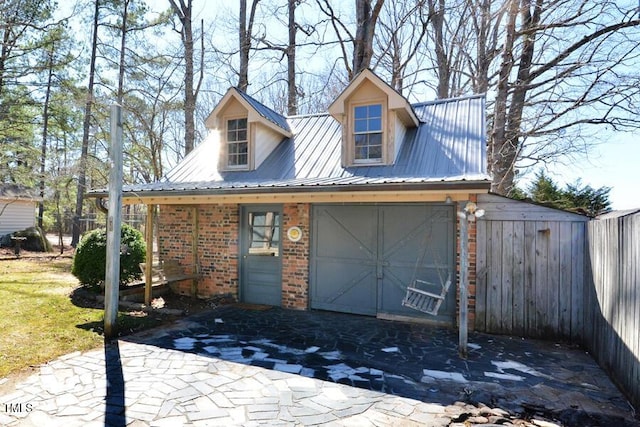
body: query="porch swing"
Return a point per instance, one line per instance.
(422, 295)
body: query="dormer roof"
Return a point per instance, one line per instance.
(395, 101)
(256, 112)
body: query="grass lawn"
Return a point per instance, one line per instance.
(38, 320)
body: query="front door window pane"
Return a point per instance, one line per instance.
(264, 233)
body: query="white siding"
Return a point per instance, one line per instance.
(266, 141)
(400, 131)
(16, 215)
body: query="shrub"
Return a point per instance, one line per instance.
(89, 262)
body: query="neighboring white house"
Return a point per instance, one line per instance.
(17, 208)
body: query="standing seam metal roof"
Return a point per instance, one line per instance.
(265, 111)
(449, 145)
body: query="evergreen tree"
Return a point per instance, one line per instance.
(574, 197)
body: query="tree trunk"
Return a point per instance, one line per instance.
(245, 34)
(363, 44)
(442, 59)
(184, 13)
(189, 94)
(245, 45)
(507, 145)
(45, 131)
(82, 172)
(123, 44)
(501, 145)
(292, 94)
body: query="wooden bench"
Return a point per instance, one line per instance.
(167, 271)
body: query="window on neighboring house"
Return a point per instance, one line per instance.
(237, 144)
(367, 132)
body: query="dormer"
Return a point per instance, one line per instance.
(248, 131)
(374, 118)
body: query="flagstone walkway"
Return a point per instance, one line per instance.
(233, 366)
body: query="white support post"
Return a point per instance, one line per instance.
(114, 219)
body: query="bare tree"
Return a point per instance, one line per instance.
(183, 11)
(366, 18)
(563, 68)
(292, 89)
(82, 169)
(402, 31)
(245, 38)
(361, 42)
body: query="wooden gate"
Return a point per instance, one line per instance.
(530, 270)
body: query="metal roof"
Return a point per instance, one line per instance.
(265, 111)
(619, 213)
(449, 146)
(17, 192)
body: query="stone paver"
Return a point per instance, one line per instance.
(171, 377)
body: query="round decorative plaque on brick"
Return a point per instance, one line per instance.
(294, 234)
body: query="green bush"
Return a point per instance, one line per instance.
(89, 262)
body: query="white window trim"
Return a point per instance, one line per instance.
(225, 159)
(352, 140)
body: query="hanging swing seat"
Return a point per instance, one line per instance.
(423, 300)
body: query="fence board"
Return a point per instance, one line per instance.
(551, 324)
(506, 293)
(529, 278)
(614, 309)
(542, 278)
(578, 297)
(494, 297)
(527, 284)
(518, 268)
(565, 261)
(481, 274)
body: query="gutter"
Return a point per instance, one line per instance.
(482, 185)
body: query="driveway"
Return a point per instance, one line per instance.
(247, 365)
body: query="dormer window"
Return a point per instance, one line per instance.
(375, 119)
(367, 133)
(237, 143)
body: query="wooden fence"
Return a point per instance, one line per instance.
(544, 273)
(612, 300)
(530, 270)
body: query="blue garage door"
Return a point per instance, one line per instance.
(364, 256)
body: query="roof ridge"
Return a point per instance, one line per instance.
(299, 116)
(445, 100)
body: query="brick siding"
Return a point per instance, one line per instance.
(471, 286)
(218, 249)
(218, 245)
(295, 257)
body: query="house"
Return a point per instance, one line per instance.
(17, 208)
(335, 211)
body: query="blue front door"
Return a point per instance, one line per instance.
(261, 255)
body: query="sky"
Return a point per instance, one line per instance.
(615, 164)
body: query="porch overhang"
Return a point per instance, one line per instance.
(354, 193)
